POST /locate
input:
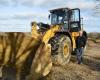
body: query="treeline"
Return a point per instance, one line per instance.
(94, 35)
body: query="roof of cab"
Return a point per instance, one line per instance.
(57, 9)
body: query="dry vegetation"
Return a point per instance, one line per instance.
(94, 37)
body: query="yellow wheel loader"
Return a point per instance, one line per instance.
(28, 58)
(61, 34)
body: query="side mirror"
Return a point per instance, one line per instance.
(49, 16)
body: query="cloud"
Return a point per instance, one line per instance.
(70, 3)
(21, 2)
(25, 16)
(4, 17)
(30, 15)
(83, 4)
(4, 2)
(51, 4)
(22, 12)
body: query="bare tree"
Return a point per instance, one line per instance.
(97, 8)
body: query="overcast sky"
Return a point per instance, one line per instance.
(16, 15)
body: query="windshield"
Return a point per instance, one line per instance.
(58, 17)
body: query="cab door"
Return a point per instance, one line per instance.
(74, 20)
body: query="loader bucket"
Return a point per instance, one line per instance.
(42, 63)
(22, 55)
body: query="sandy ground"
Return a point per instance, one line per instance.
(89, 70)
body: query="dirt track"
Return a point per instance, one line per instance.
(89, 70)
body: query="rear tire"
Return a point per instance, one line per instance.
(60, 49)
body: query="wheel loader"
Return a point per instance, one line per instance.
(61, 34)
(30, 57)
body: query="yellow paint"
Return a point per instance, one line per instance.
(74, 35)
(50, 33)
(65, 50)
(7, 54)
(42, 63)
(34, 31)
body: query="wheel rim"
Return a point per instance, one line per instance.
(65, 51)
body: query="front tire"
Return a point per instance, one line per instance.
(61, 49)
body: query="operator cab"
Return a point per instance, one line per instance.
(69, 19)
